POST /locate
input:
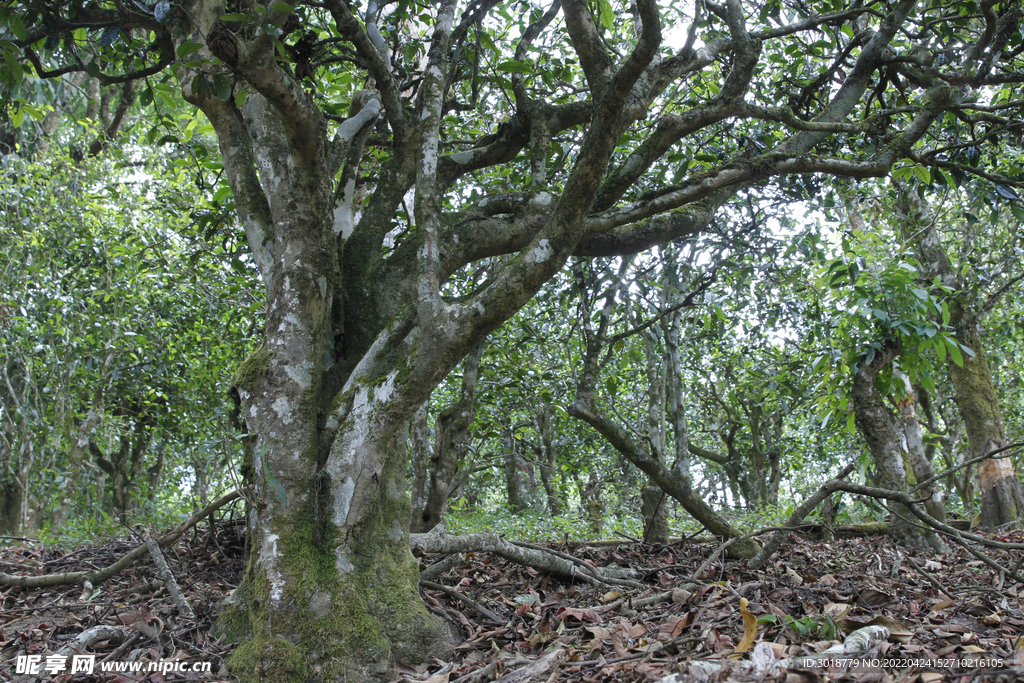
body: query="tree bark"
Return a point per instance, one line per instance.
(513, 479)
(452, 429)
(878, 426)
(974, 392)
(920, 463)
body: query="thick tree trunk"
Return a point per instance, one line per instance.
(1001, 499)
(592, 503)
(12, 506)
(654, 510)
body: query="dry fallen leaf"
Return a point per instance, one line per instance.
(793, 577)
(749, 628)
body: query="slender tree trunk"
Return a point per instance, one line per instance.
(513, 479)
(878, 426)
(920, 463)
(548, 457)
(452, 427)
(422, 454)
(591, 497)
(974, 392)
(653, 509)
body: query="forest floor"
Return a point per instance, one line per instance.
(948, 618)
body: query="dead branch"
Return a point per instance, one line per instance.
(168, 577)
(438, 541)
(83, 640)
(465, 599)
(798, 515)
(98, 576)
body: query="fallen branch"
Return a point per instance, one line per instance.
(798, 515)
(83, 640)
(100, 575)
(168, 577)
(958, 537)
(438, 541)
(465, 599)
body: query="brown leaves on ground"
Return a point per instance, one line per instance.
(40, 621)
(809, 598)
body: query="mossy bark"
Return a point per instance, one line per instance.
(308, 620)
(974, 392)
(976, 398)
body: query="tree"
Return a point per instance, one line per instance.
(974, 391)
(588, 138)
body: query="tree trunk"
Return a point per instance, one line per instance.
(547, 455)
(975, 395)
(654, 510)
(513, 480)
(452, 428)
(920, 463)
(878, 426)
(422, 454)
(592, 503)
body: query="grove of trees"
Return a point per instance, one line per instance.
(575, 253)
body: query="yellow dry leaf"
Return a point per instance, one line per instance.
(611, 595)
(972, 648)
(939, 606)
(930, 677)
(749, 627)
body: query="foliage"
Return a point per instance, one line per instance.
(111, 306)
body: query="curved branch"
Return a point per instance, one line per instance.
(349, 27)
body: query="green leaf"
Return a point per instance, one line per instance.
(283, 8)
(513, 66)
(18, 28)
(233, 16)
(222, 86)
(851, 423)
(954, 352)
(185, 49)
(14, 66)
(18, 117)
(607, 15)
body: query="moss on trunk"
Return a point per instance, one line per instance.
(329, 625)
(976, 398)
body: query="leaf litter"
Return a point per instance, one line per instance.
(854, 609)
